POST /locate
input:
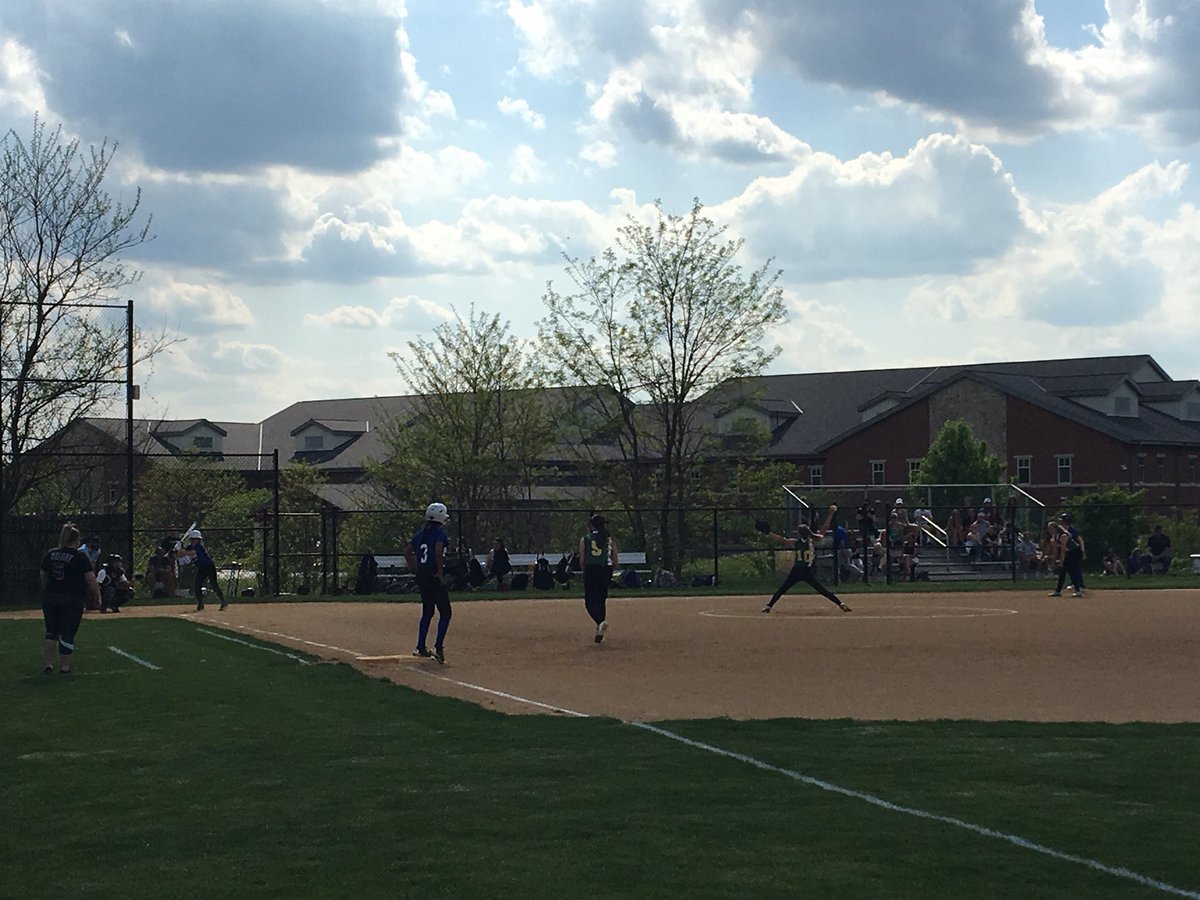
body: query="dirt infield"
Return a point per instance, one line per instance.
(1115, 656)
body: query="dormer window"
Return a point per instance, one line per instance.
(1123, 406)
(314, 442)
(1193, 411)
(204, 442)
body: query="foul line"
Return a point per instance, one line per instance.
(226, 637)
(1118, 871)
(506, 696)
(982, 830)
(136, 659)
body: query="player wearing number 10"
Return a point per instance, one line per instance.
(426, 555)
(804, 546)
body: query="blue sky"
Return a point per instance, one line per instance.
(939, 182)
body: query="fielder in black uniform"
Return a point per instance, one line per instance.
(598, 553)
(67, 584)
(804, 545)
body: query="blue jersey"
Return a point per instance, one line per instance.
(424, 545)
(203, 560)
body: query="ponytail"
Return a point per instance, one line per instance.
(601, 528)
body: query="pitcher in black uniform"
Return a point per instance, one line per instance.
(804, 545)
(68, 583)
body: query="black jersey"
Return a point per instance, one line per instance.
(805, 551)
(65, 568)
(596, 550)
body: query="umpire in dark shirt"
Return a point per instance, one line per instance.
(67, 583)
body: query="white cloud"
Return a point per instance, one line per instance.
(601, 154)
(21, 92)
(1122, 260)
(524, 167)
(520, 108)
(938, 208)
(199, 307)
(234, 357)
(410, 313)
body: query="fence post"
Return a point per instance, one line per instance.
(333, 548)
(716, 553)
(275, 463)
(1128, 539)
(324, 545)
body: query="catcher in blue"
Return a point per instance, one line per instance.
(805, 547)
(426, 555)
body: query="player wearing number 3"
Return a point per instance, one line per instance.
(804, 545)
(598, 555)
(426, 555)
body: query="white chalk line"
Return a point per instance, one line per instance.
(136, 659)
(959, 612)
(1118, 871)
(1016, 840)
(229, 637)
(504, 694)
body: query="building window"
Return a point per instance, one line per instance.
(1024, 470)
(1139, 470)
(1191, 470)
(878, 472)
(816, 475)
(1123, 406)
(202, 443)
(314, 442)
(913, 465)
(1063, 464)
(1160, 469)
(113, 493)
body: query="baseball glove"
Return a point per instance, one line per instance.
(761, 525)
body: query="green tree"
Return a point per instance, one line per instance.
(478, 430)
(1109, 517)
(656, 323)
(956, 457)
(62, 353)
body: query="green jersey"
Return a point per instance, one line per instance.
(596, 550)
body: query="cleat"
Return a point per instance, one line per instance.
(199, 607)
(439, 655)
(1077, 593)
(223, 607)
(1054, 594)
(422, 652)
(843, 607)
(49, 670)
(600, 629)
(767, 608)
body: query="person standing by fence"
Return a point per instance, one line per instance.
(426, 556)
(68, 582)
(598, 551)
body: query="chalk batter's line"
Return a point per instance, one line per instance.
(970, 613)
(506, 696)
(226, 637)
(1118, 871)
(136, 659)
(279, 634)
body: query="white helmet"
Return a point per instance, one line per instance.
(195, 533)
(437, 512)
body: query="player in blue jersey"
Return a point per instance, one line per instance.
(426, 555)
(598, 557)
(206, 568)
(804, 545)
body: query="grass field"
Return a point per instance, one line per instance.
(230, 771)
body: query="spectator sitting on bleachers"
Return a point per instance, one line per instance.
(1027, 554)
